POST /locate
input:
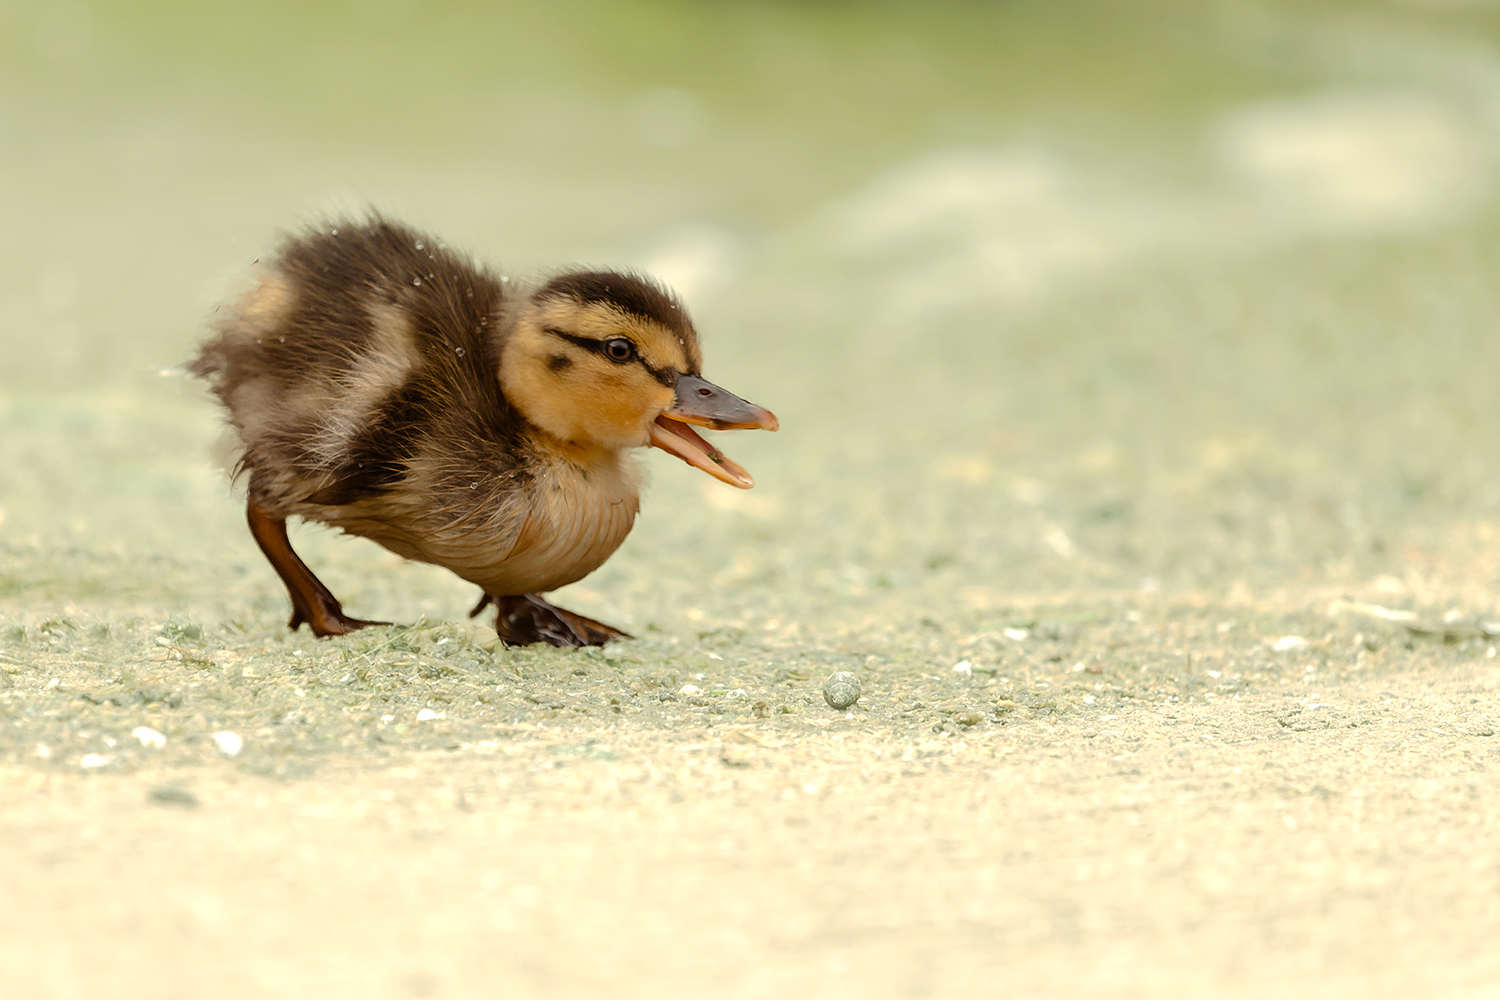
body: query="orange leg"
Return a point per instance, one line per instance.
(311, 601)
(525, 618)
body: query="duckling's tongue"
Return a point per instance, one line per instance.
(684, 442)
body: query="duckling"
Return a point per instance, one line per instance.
(382, 384)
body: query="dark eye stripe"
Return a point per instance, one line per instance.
(665, 376)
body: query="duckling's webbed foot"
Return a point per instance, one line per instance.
(526, 619)
(312, 602)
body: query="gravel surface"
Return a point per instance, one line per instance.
(1121, 801)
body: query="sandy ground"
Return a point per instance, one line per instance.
(1169, 806)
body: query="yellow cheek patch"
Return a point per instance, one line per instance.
(576, 394)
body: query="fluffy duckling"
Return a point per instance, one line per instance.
(382, 384)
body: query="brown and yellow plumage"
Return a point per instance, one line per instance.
(382, 384)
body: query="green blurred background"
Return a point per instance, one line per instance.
(1052, 299)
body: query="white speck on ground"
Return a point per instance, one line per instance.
(230, 743)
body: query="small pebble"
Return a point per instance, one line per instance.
(426, 715)
(93, 760)
(149, 737)
(230, 743)
(963, 667)
(1288, 642)
(690, 689)
(841, 690)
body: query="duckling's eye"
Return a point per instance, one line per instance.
(619, 349)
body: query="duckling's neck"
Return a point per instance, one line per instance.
(588, 475)
(586, 455)
(580, 509)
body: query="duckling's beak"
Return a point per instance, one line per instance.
(705, 404)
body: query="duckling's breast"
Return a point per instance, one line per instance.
(576, 517)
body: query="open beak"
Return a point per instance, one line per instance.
(705, 404)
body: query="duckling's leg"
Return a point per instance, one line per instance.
(311, 601)
(526, 618)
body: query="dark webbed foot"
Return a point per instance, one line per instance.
(526, 619)
(312, 602)
(326, 618)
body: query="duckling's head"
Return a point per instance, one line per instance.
(604, 360)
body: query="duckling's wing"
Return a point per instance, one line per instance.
(360, 342)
